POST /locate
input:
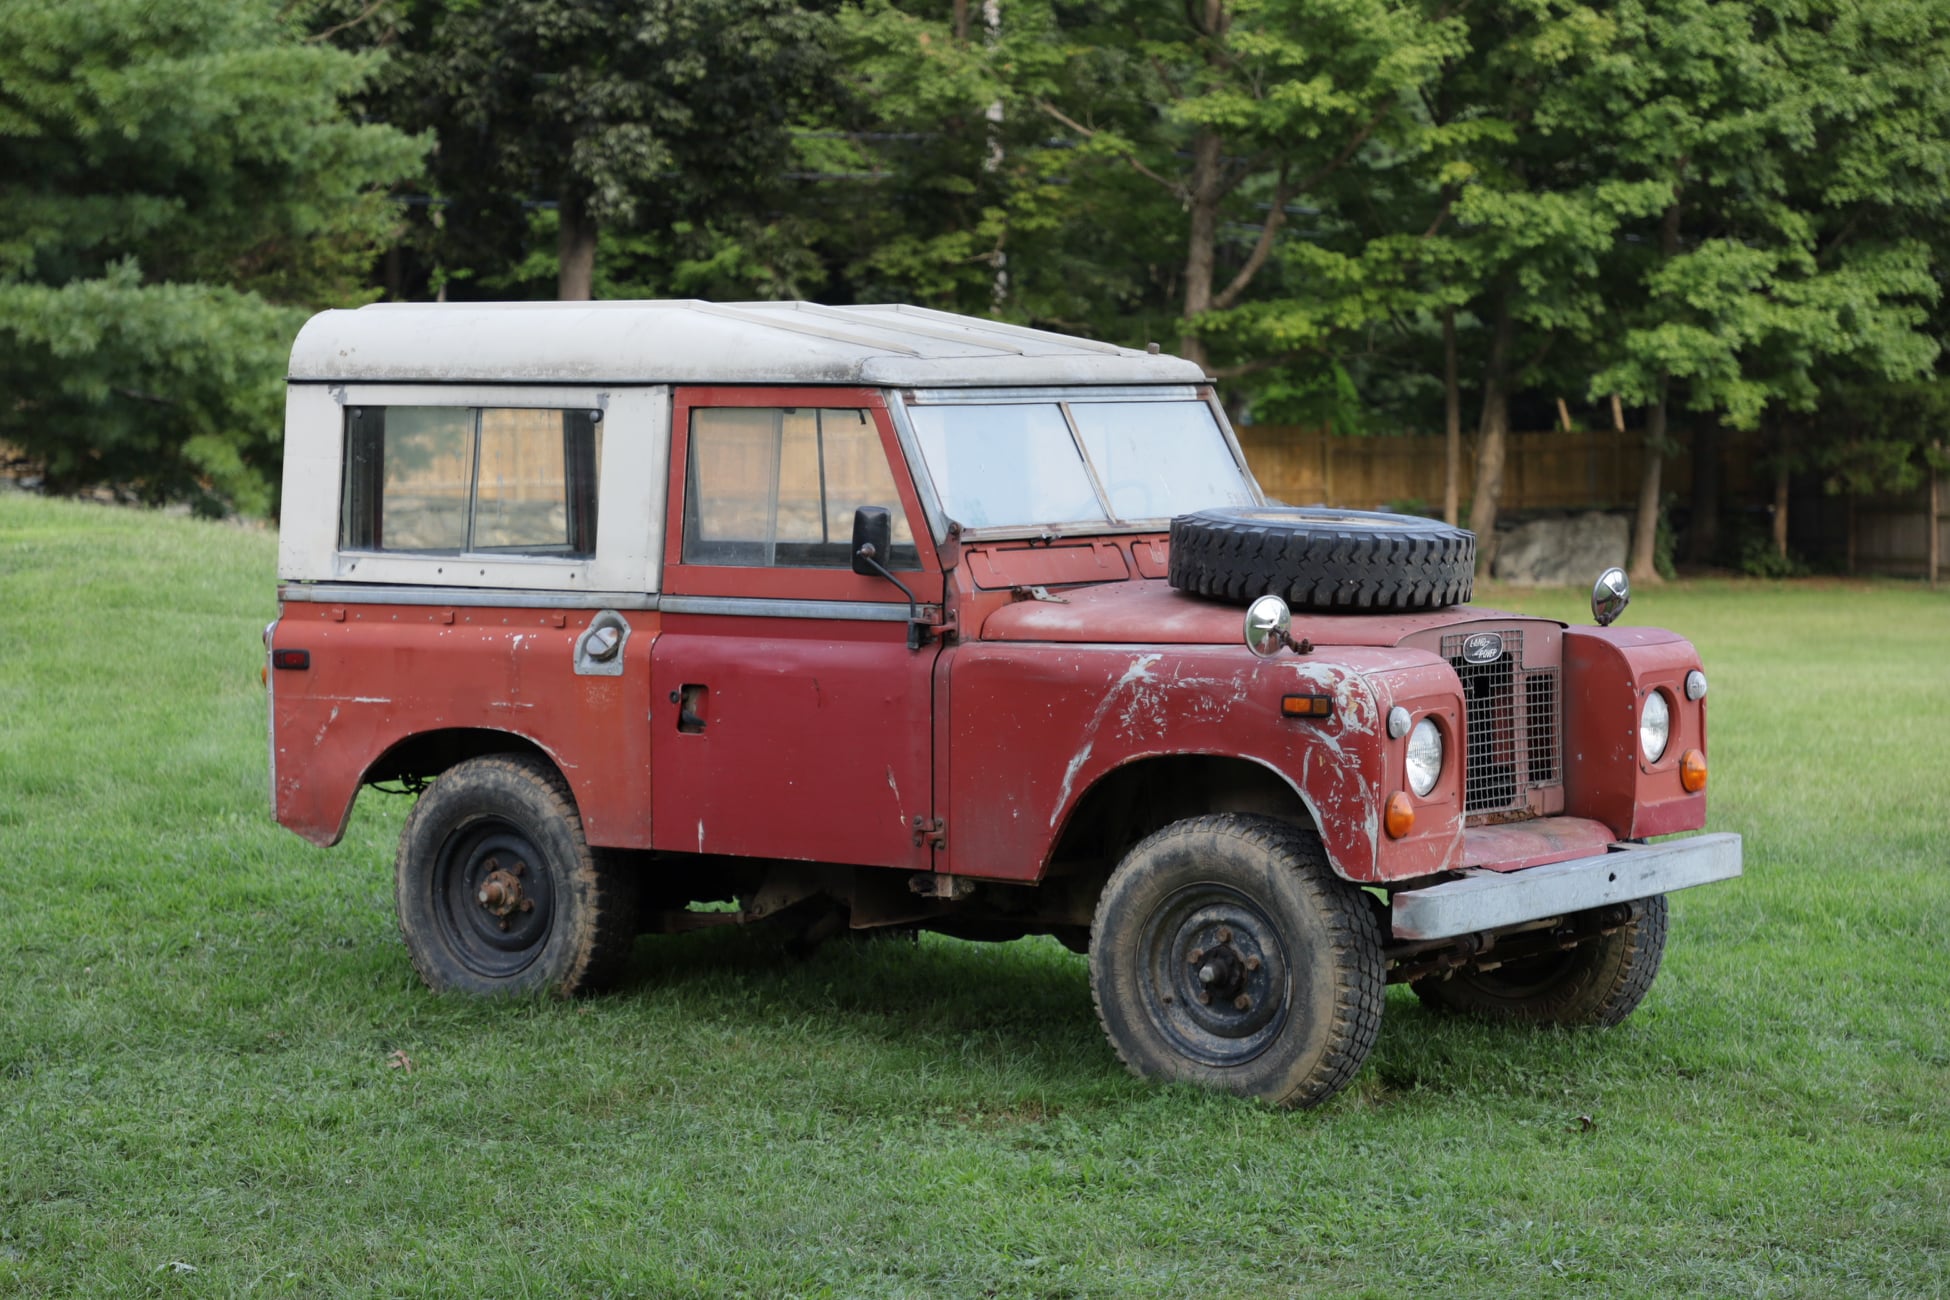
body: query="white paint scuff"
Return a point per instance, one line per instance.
(1137, 676)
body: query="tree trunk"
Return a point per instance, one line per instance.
(1781, 500)
(1451, 424)
(1850, 516)
(1492, 432)
(1703, 547)
(576, 251)
(1643, 566)
(1936, 526)
(1645, 532)
(1207, 190)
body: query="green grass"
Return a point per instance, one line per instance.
(198, 1012)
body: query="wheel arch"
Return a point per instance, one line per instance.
(425, 754)
(1146, 793)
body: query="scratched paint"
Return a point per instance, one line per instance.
(1034, 731)
(436, 676)
(1128, 694)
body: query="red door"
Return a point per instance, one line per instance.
(789, 718)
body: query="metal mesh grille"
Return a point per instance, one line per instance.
(1511, 715)
(1540, 718)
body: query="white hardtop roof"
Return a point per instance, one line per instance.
(692, 342)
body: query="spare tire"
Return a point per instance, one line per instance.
(1318, 558)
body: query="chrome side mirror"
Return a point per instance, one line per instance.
(1609, 596)
(1268, 626)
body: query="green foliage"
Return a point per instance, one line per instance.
(182, 182)
(1759, 559)
(633, 117)
(174, 389)
(1885, 437)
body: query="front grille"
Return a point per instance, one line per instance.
(1512, 718)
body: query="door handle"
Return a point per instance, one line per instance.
(689, 700)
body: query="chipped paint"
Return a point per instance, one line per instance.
(1137, 676)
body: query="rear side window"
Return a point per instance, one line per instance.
(448, 480)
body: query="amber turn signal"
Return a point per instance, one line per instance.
(1399, 816)
(1307, 706)
(1692, 771)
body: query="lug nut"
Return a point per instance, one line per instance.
(1243, 1003)
(1225, 934)
(1204, 998)
(504, 923)
(1195, 956)
(1252, 963)
(527, 904)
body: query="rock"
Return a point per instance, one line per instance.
(1562, 552)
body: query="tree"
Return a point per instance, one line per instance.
(182, 186)
(622, 116)
(1808, 147)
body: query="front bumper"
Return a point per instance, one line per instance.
(1491, 900)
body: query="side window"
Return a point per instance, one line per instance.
(440, 480)
(779, 485)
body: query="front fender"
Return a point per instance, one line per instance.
(1035, 727)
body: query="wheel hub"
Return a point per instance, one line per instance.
(501, 893)
(493, 898)
(1218, 974)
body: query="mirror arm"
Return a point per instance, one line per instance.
(916, 629)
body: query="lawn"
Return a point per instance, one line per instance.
(222, 1077)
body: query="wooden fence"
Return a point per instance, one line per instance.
(1542, 471)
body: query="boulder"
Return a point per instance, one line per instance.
(1570, 551)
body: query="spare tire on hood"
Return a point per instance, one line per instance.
(1318, 558)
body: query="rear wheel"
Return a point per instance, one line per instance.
(1225, 952)
(498, 891)
(1599, 982)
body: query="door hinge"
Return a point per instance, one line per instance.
(931, 831)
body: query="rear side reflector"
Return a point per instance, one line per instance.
(299, 659)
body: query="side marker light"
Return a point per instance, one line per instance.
(1399, 815)
(1692, 771)
(1307, 706)
(289, 659)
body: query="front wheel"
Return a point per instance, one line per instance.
(1225, 952)
(499, 892)
(1599, 982)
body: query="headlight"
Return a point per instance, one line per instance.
(1655, 726)
(1424, 756)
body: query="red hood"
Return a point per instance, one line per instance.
(1151, 612)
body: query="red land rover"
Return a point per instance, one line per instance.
(883, 617)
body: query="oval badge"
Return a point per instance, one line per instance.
(1483, 648)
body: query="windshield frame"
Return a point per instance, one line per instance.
(1062, 398)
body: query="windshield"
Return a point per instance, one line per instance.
(1021, 464)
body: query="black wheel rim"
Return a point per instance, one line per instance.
(1214, 974)
(493, 898)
